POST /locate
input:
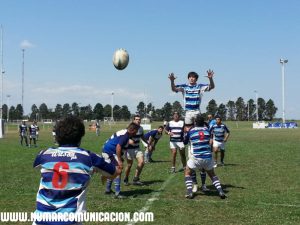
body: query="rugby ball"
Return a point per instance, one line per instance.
(120, 59)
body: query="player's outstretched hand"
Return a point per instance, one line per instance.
(210, 73)
(172, 76)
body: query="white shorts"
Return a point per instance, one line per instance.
(110, 159)
(53, 133)
(176, 145)
(134, 154)
(198, 163)
(218, 144)
(190, 116)
(145, 144)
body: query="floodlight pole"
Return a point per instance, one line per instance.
(256, 96)
(283, 62)
(2, 74)
(23, 62)
(112, 106)
(8, 96)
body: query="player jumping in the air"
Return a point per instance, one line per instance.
(66, 172)
(201, 157)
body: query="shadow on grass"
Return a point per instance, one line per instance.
(230, 164)
(214, 192)
(160, 161)
(137, 192)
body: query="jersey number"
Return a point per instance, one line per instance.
(60, 178)
(201, 135)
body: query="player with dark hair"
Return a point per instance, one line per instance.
(192, 92)
(220, 134)
(152, 138)
(113, 150)
(66, 172)
(175, 129)
(201, 156)
(23, 132)
(134, 152)
(33, 134)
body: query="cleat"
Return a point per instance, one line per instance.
(215, 164)
(126, 183)
(195, 188)
(119, 196)
(151, 160)
(204, 188)
(137, 182)
(222, 195)
(109, 192)
(172, 170)
(189, 195)
(222, 164)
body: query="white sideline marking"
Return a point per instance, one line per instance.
(154, 197)
(274, 204)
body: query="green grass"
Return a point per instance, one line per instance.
(261, 179)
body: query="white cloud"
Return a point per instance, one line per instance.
(26, 44)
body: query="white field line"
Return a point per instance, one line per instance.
(154, 197)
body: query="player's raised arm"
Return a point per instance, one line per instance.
(210, 74)
(173, 86)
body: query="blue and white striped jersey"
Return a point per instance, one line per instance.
(218, 132)
(120, 137)
(177, 129)
(65, 175)
(199, 139)
(192, 95)
(23, 129)
(136, 139)
(32, 130)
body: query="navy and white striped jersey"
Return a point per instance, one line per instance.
(65, 175)
(120, 137)
(136, 139)
(32, 130)
(199, 138)
(177, 129)
(23, 129)
(218, 132)
(192, 95)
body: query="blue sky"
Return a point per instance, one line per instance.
(69, 47)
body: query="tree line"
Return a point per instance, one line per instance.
(232, 110)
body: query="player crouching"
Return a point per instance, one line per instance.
(201, 157)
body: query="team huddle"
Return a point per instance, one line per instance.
(67, 169)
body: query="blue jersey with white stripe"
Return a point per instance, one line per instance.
(218, 132)
(177, 129)
(154, 134)
(192, 95)
(199, 139)
(212, 122)
(136, 139)
(120, 137)
(65, 175)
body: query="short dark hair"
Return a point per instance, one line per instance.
(218, 117)
(136, 115)
(199, 121)
(160, 127)
(133, 126)
(69, 131)
(193, 74)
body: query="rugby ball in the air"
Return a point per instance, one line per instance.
(120, 59)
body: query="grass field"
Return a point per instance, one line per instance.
(260, 178)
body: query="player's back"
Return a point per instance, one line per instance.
(199, 138)
(65, 173)
(120, 136)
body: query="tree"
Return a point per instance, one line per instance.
(125, 113)
(261, 108)
(107, 111)
(86, 112)
(231, 110)
(117, 112)
(222, 111)
(43, 111)
(58, 111)
(167, 111)
(34, 112)
(66, 110)
(252, 108)
(98, 111)
(141, 109)
(75, 109)
(241, 114)
(270, 110)
(4, 111)
(19, 112)
(212, 107)
(12, 113)
(150, 109)
(158, 115)
(176, 107)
